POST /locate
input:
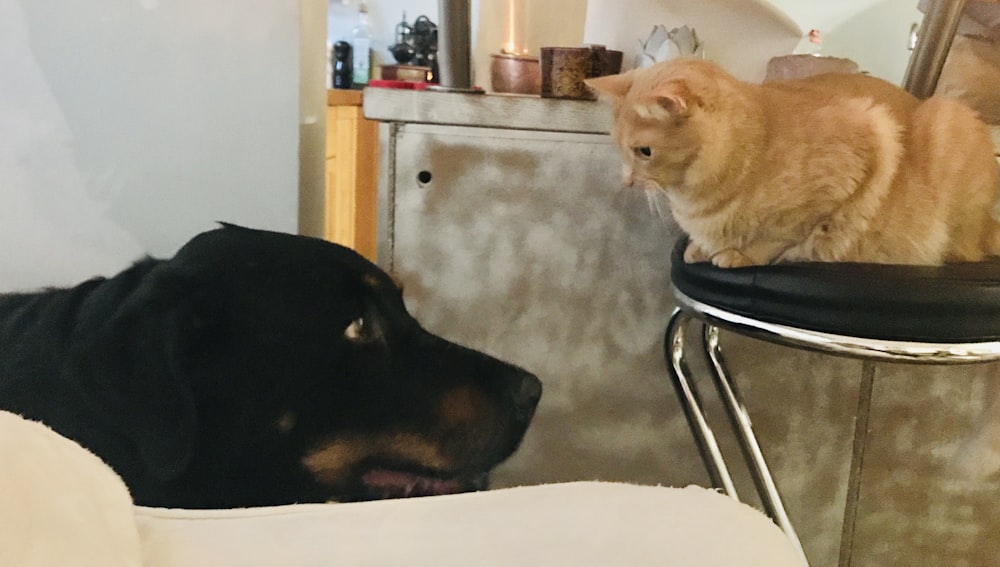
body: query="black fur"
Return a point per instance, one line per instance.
(207, 380)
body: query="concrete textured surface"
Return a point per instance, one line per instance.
(524, 245)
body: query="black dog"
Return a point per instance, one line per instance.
(259, 368)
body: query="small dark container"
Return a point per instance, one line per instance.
(343, 66)
(564, 69)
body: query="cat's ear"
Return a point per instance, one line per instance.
(675, 98)
(674, 104)
(614, 86)
(663, 107)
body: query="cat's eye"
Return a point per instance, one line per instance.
(643, 152)
(354, 331)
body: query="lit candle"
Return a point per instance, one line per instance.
(511, 46)
(517, 28)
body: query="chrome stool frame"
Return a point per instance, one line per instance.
(712, 319)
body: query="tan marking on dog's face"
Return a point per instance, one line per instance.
(462, 405)
(286, 423)
(374, 282)
(371, 281)
(353, 331)
(415, 448)
(332, 462)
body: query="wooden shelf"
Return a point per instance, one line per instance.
(350, 215)
(343, 97)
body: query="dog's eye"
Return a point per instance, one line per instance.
(643, 151)
(355, 329)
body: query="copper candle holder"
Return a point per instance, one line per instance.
(514, 73)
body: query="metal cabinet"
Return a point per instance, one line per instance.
(504, 220)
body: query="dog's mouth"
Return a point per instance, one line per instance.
(401, 466)
(384, 480)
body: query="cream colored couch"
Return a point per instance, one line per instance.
(60, 505)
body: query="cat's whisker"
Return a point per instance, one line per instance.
(654, 196)
(651, 202)
(662, 209)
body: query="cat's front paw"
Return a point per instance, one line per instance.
(731, 258)
(694, 254)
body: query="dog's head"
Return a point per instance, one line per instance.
(293, 372)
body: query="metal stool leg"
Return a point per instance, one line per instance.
(752, 454)
(711, 456)
(933, 42)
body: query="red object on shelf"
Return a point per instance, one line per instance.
(387, 84)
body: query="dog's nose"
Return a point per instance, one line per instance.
(526, 393)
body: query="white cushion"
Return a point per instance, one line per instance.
(578, 524)
(60, 504)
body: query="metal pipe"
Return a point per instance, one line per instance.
(752, 453)
(933, 42)
(454, 46)
(708, 447)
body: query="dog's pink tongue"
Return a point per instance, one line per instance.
(400, 484)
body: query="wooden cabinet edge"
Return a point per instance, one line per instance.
(350, 214)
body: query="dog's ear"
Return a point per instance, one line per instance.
(138, 365)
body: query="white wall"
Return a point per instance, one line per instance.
(873, 33)
(742, 35)
(127, 126)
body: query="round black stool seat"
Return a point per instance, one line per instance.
(956, 303)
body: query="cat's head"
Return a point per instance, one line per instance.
(663, 119)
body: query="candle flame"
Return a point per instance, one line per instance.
(511, 46)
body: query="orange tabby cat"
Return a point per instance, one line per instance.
(827, 168)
